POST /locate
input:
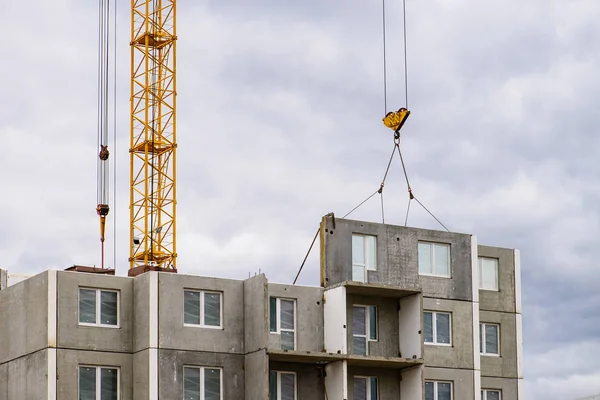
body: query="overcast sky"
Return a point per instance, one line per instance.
(279, 123)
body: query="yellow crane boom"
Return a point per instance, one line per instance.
(153, 136)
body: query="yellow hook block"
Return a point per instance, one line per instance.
(395, 120)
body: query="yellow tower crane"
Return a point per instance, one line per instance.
(153, 137)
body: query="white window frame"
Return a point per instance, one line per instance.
(432, 259)
(98, 307)
(484, 393)
(98, 369)
(368, 379)
(278, 312)
(367, 334)
(483, 350)
(367, 251)
(279, 373)
(497, 265)
(434, 328)
(435, 388)
(202, 324)
(202, 383)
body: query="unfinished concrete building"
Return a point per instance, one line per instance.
(401, 313)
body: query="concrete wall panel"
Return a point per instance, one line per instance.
(504, 298)
(335, 313)
(68, 362)
(256, 313)
(309, 315)
(309, 381)
(388, 380)
(387, 344)
(171, 363)
(411, 386)
(256, 366)
(27, 377)
(336, 380)
(462, 381)
(505, 365)
(141, 374)
(71, 335)
(4, 381)
(508, 387)
(25, 305)
(174, 335)
(410, 317)
(460, 354)
(141, 317)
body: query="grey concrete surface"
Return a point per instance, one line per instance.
(27, 378)
(460, 354)
(3, 279)
(507, 386)
(174, 335)
(387, 343)
(505, 365)
(309, 315)
(171, 363)
(141, 299)
(256, 367)
(71, 335)
(309, 380)
(462, 381)
(24, 316)
(140, 375)
(388, 380)
(68, 362)
(504, 298)
(256, 313)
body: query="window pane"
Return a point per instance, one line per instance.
(108, 383)
(358, 273)
(87, 383)
(212, 384)
(191, 383)
(212, 309)
(481, 338)
(371, 243)
(288, 382)
(359, 322)
(287, 340)
(443, 328)
(272, 385)
(191, 308)
(358, 250)
(108, 308)
(493, 395)
(360, 388)
(374, 389)
(360, 346)
(87, 306)
(429, 391)
(273, 314)
(489, 273)
(428, 327)
(442, 260)
(373, 323)
(444, 391)
(287, 314)
(425, 258)
(491, 339)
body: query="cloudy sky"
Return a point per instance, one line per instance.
(279, 122)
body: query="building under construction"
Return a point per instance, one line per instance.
(401, 313)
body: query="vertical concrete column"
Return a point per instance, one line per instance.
(52, 335)
(153, 377)
(475, 304)
(335, 321)
(3, 279)
(519, 325)
(336, 380)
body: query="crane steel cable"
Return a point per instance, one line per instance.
(115, 137)
(405, 56)
(384, 60)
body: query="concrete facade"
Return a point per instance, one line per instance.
(44, 343)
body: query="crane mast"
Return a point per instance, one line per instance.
(153, 137)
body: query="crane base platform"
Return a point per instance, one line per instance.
(147, 268)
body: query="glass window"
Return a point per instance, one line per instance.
(202, 383)
(364, 256)
(434, 259)
(364, 328)
(365, 388)
(488, 394)
(282, 385)
(282, 315)
(98, 383)
(435, 390)
(489, 339)
(99, 307)
(437, 328)
(202, 308)
(488, 273)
